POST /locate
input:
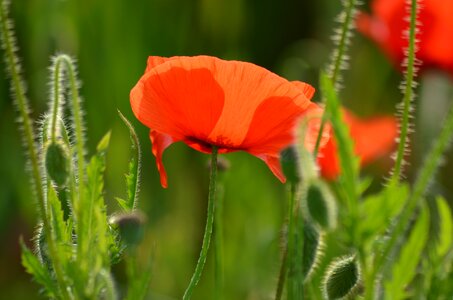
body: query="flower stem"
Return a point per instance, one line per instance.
(295, 284)
(338, 57)
(218, 244)
(408, 94)
(208, 229)
(290, 230)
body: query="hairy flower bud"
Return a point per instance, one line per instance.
(57, 162)
(131, 227)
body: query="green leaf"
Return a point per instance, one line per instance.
(377, 211)
(349, 162)
(59, 227)
(133, 177)
(445, 242)
(104, 143)
(38, 271)
(93, 233)
(404, 268)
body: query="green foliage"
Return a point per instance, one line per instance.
(378, 210)
(404, 268)
(444, 243)
(39, 271)
(133, 177)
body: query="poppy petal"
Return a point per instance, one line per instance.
(373, 137)
(160, 142)
(247, 87)
(307, 89)
(178, 97)
(154, 61)
(327, 160)
(273, 162)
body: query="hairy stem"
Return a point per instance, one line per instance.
(338, 57)
(208, 229)
(21, 101)
(408, 95)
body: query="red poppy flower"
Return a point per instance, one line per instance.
(373, 138)
(388, 22)
(204, 101)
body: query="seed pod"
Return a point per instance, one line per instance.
(321, 205)
(57, 162)
(342, 278)
(131, 227)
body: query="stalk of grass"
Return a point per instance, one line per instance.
(208, 229)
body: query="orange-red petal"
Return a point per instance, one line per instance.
(160, 142)
(273, 162)
(205, 101)
(387, 26)
(373, 138)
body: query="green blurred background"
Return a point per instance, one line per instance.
(111, 40)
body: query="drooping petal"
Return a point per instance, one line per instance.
(160, 142)
(273, 162)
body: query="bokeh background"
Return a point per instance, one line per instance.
(111, 40)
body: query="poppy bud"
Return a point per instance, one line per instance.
(313, 249)
(321, 205)
(131, 227)
(342, 278)
(57, 162)
(289, 160)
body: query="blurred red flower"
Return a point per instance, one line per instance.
(388, 22)
(372, 137)
(204, 101)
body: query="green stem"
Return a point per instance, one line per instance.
(427, 171)
(294, 287)
(21, 102)
(208, 229)
(338, 59)
(408, 95)
(218, 245)
(422, 183)
(56, 99)
(288, 241)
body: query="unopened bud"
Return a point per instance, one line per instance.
(342, 278)
(130, 226)
(289, 159)
(321, 205)
(313, 249)
(57, 162)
